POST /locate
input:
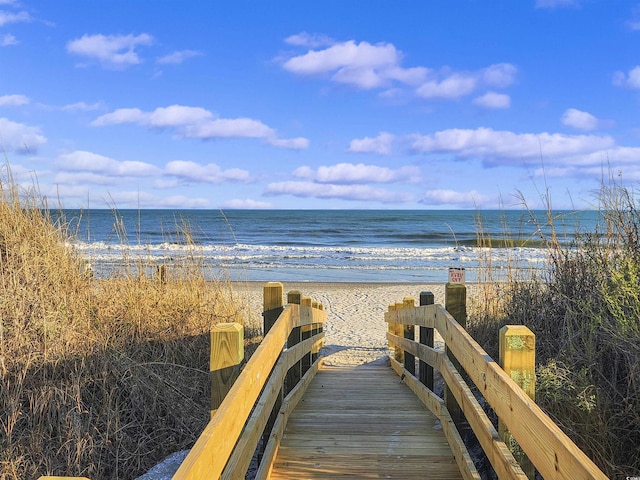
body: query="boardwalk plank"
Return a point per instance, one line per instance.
(362, 422)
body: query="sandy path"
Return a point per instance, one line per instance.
(355, 329)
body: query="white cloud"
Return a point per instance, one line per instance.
(20, 138)
(500, 75)
(348, 173)
(298, 143)
(120, 116)
(367, 66)
(137, 199)
(178, 57)
(13, 100)
(493, 100)
(496, 146)
(229, 127)
(452, 87)
(86, 178)
(344, 55)
(114, 51)
(88, 162)
(380, 144)
(362, 65)
(181, 201)
(311, 40)
(210, 173)
(8, 40)
(470, 199)
(557, 3)
(10, 17)
(343, 192)
(82, 107)
(246, 204)
(630, 80)
(177, 115)
(196, 122)
(579, 120)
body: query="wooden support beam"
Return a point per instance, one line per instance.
(426, 338)
(399, 330)
(408, 331)
(227, 353)
(518, 360)
(295, 373)
(455, 300)
(273, 306)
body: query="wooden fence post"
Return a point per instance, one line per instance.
(518, 360)
(307, 331)
(272, 308)
(409, 332)
(295, 373)
(426, 338)
(399, 331)
(227, 353)
(455, 300)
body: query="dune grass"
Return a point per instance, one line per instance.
(585, 312)
(99, 377)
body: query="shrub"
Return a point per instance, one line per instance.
(585, 312)
(99, 377)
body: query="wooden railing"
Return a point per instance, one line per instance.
(256, 404)
(261, 398)
(548, 448)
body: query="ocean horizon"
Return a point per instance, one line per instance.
(386, 246)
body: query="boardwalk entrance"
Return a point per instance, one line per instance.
(362, 422)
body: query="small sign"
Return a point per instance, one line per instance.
(456, 275)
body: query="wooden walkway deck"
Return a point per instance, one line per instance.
(362, 422)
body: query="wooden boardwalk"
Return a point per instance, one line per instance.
(362, 422)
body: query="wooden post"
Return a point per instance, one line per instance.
(307, 331)
(399, 331)
(426, 338)
(273, 306)
(295, 373)
(227, 353)
(455, 300)
(518, 360)
(272, 303)
(392, 325)
(161, 271)
(409, 332)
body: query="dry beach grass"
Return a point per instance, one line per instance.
(98, 378)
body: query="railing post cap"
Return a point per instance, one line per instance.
(516, 330)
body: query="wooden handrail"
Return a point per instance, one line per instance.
(551, 451)
(215, 446)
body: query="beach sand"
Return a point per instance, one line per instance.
(355, 329)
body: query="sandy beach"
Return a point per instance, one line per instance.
(355, 329)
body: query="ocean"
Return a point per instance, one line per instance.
(386, 246)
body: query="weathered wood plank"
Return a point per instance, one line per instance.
(362, 422)
(436, 405)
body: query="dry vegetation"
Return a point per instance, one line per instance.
(585, 312)
(98, 377)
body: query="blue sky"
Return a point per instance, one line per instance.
(333, 104)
